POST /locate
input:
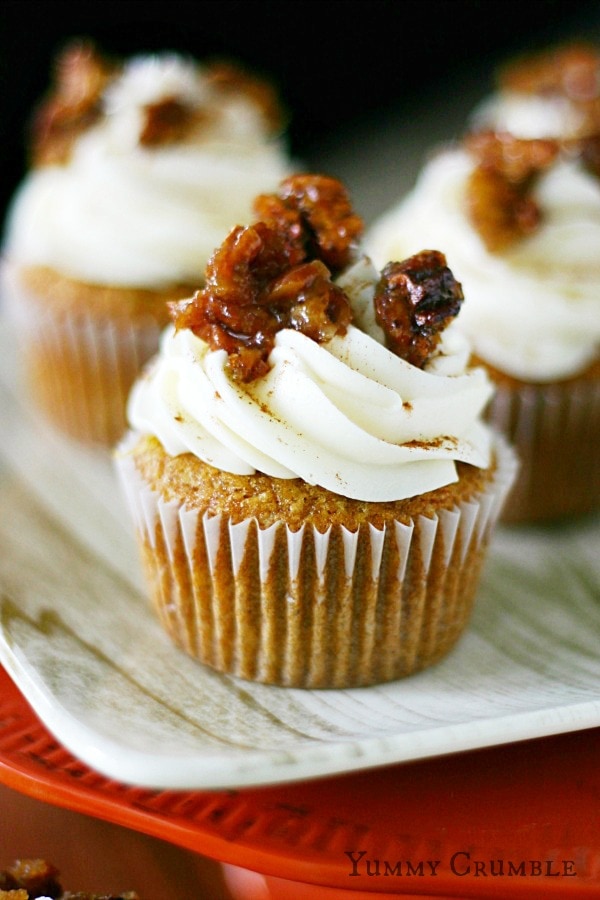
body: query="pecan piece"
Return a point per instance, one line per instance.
(516, 159)
(414, 301)
(499, 190)
(500, 211)
(306, 299)
(572, 70)
(34, 876)
(166, 122)
(252, 292)
(316, 214)
(81, 74)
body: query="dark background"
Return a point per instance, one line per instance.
(335, 62)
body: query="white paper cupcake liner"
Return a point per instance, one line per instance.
(308, 609)
(555, 430)
(78, 370)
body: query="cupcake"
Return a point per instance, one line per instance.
(37, 879)
(312, 487)
(519, 220)
(139, 169)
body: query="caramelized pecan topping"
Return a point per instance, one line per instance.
(166, 122)
(499, 200)
(81, 75)
(277, 274)
(28, 879)
(499, 193)
(414, 301)
(34, 876)
(572, 70)
(516, 159)
(315, 214)
(269, 276)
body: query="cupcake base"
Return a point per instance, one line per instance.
(82, 346)
(377, 593)
(555, 429)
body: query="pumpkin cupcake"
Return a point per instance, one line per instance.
(139, 169)
(312, 486)
(518, 216)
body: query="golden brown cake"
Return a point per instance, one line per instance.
(139, 169)
(554, 429)
(516, 206)
(82, 346)
(312, 487)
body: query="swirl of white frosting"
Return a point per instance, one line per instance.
(125, 214)
(530, 115)
(532, 311)
(347, 415)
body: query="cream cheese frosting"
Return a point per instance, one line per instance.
(347, 414)
(129, 215)
(532, 311)
(530, 115)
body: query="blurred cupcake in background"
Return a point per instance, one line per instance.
(518, 215)
(138, 170)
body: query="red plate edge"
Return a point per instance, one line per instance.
(536, 801)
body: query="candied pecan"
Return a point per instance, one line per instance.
(500, 211)
(516, 159)
(252, 292)
(166, 121)
(306, 299)
(316, 214)
(414, 301)
(287, 221)
(572, 70)
(229, 77)
(28, 879)
(36, 876)
(499, 190)
(81, 75)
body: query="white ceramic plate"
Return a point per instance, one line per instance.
(80, 640)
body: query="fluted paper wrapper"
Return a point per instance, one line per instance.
(309, 609)
(78, 369)
(555, 430)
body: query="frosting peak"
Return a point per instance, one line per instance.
(348, 415)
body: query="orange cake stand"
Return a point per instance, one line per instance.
(516, 821)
